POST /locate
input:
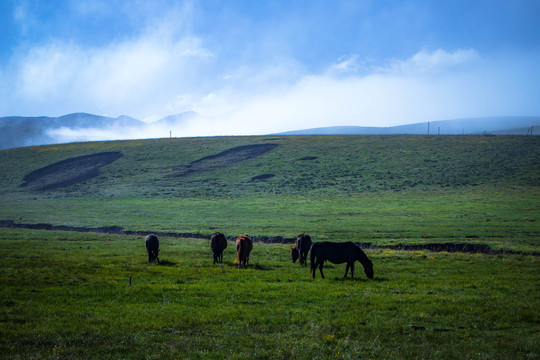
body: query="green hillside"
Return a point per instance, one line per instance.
(382, 189)
(304, 165)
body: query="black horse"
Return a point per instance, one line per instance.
(152, 247)
(301, 248)
(218, 243)
(338, 253)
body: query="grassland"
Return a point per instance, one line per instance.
(68, 295)
(305, 166)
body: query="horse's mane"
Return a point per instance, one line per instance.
(362, 257)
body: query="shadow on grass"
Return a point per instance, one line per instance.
(359, 279)
(262, 267)
(250, 266)
(166, 263)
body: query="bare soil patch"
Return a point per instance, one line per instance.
(262, 177)
(308, 158)
(70, 171)
(225, 158)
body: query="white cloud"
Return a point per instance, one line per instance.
(160, 74)
(346, 64)
(428, 86)
(141, 77)
(435, 62)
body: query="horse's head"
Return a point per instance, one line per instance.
(368, 269)
(294, 254)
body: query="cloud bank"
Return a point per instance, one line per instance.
(258, 86)
(430, 85)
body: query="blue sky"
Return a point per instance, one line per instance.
(254, 67)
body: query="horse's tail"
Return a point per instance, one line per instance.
(239, 250)
(312, 256)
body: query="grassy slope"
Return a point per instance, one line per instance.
(384, 189)
(344, 165)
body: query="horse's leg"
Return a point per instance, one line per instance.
(320, 268)
(346, 270)
(316, 264)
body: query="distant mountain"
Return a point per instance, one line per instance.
(175, 120)
(469, 126)
(17, 131)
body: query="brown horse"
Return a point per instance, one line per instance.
(218, 243)
(301, 248)
(338, 253)
(243, 248)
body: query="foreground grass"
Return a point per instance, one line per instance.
(68, 295)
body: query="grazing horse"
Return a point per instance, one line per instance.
(152, 247)
(218, 243)
(338, 253)
(301, 248)
(243, 248)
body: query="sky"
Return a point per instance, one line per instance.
(262, 66)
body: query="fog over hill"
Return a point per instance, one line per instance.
(16, 131)
(510, 125)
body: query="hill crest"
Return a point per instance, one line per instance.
(508, 125)
(18, 131)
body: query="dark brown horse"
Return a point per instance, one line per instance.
(243, 248)
(301, 248)
(218, 243)
(339, 253)
(152, 247)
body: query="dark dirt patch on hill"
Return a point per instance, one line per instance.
(70, 171)
(308, 158)
(225, 158)
(262, 177)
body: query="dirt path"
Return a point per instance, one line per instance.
(435, 247)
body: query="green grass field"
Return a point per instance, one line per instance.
(67, 295)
